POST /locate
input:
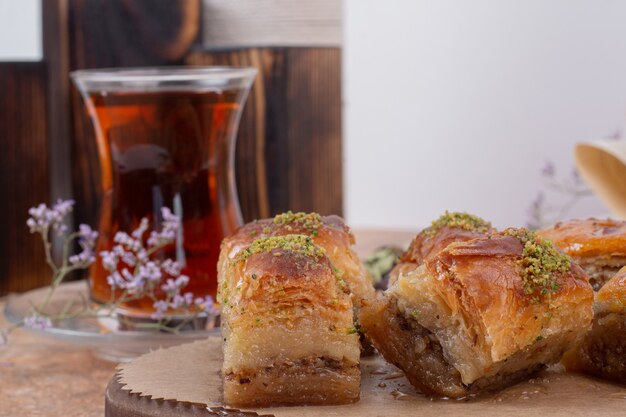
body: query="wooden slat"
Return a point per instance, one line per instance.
(56, 57)
(271, 23)
(24, 180)
(314, 129)
(290, 138)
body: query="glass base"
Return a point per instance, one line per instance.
(102, 334)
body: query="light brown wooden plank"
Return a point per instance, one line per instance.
(271, 23)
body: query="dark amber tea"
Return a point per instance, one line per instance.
(167, 147)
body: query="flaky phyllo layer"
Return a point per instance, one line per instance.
(328, 232)
(286, 311)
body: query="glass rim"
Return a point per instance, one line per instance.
(162, 74)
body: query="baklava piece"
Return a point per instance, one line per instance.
(287, 325)
(482, 314)
(329, 232)
(603, 351)
(450, 227)
(599, 246)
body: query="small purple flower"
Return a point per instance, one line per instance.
(182, 281)
(82, 259)
(171, 225)
(548, 169)
(109, 260)
(43, 218)
(87, 233)
(37, 322)
(206, 305)
(171, 267)
(116, 281)
(87, 241)
(142, 256)
(576, 178)
(141, 229)
(160, 307)
(182, 301)
(127, 242)
(151, 272)
(129, 259)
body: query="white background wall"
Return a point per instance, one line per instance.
(20, 30)
(457, 104)
(454, 104)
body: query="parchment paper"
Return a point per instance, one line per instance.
(190, 373)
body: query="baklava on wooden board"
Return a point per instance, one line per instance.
(288, 327)
(481, 314)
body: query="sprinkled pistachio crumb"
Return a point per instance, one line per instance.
(293, 243)
(540, 264)
(459, 220)
(311, 221)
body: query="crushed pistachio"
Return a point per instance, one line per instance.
(539, 338)
(293, 243)
(355, 329)
(539, 264)
(300, 217)
(253, 276)
(459, 220)
(311, 221)
(415, 314)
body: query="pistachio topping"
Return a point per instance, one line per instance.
(459, 220)
(309, 220)
(293, 243)
(540, 263)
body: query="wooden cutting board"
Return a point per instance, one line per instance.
(184, 381)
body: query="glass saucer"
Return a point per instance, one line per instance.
(99, 334)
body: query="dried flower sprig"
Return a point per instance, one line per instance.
(149, 275)
(540, 213)
(133, 273)
(45, 220)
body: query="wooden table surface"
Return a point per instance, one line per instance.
(44, 377)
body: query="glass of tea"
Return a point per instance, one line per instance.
(166, 138)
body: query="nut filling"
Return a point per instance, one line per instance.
(310, 380)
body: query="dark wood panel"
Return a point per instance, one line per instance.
(24, 180)
(289, 144)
